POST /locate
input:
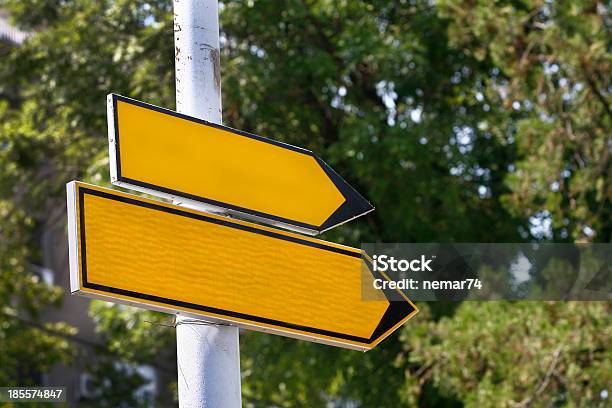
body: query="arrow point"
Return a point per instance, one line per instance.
(354, 205)
(395, 315)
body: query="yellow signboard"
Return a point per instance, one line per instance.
(160, 256)
(168, 154)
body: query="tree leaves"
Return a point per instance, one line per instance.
(461, 121)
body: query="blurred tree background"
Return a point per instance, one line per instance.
(461, 121)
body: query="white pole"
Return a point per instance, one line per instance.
(208, 355)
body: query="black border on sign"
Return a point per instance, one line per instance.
(354, 204)
(394, 313)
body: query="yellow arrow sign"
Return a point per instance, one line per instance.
(164, 257)
(168, 154)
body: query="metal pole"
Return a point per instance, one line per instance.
(208, 355)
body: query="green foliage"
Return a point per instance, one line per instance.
(25, 349)
(514, 354)
(554, 61)
(136, 335)
(114, 386)
(460, 120)
(285, 373)
(52, 130)
(390, 104)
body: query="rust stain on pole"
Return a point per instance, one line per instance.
(216, 60)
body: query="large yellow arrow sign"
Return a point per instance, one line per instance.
(168, 154)
(160, 256)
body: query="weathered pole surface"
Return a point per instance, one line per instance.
(208, 355)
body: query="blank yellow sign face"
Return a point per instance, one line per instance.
(161, 256)
(158, 150)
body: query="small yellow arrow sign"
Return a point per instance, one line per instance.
(150, 254)
(168, 154)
